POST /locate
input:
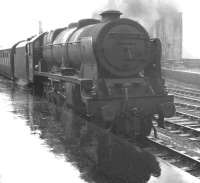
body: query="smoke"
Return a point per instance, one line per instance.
(144, 11)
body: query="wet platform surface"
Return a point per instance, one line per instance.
(42, 143)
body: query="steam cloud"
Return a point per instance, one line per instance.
(144, 11)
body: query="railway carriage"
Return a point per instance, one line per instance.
(20, 62)
(5, 63)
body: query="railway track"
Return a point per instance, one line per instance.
(174, 155)
(184, 91)
(179, 142)
(187, 119)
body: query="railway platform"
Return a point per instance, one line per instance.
(35, 147)
(191, 77)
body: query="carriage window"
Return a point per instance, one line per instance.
(29, 50)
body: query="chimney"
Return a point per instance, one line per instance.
(110, 15)
(40, 27)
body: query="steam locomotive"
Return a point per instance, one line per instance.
(108, 69)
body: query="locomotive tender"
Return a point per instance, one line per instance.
(108, 69)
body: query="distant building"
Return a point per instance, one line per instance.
(169, 30)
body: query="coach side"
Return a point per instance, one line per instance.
(6, 63)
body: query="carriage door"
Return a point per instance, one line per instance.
(29, 67)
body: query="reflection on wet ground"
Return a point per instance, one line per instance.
(42, 143)
(172, 174)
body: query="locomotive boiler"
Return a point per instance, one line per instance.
(112, 47)
(108, 70)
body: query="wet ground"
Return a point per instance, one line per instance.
(194, 70)
(42, 143)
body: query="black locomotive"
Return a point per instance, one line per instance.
(108, 70)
